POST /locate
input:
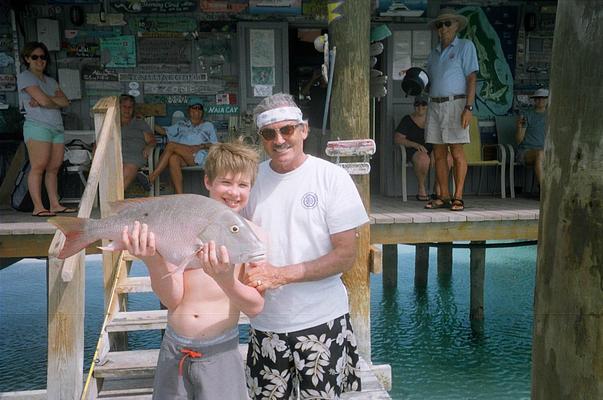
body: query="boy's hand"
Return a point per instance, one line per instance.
(140, 243)
(216, 263)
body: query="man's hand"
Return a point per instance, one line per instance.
(261, 275)
(466, 118)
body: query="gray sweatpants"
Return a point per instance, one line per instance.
(200, 370)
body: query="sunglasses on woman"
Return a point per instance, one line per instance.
(270, 133)
(35, 57)
(446, 23)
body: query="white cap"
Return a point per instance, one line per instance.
(540, 93)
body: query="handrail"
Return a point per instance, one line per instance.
(100, 345)
(68, 265)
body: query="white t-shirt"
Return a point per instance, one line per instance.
(49, 117)
(301, 210)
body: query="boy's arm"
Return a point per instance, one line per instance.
(247, 299)
(141, 243)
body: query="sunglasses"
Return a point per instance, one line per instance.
(446, 23)
(421, 103)
(270, 133)
(35, 57)
(196, 108)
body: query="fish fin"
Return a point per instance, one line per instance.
(76, 234)
(115, 207)
(112, 246)
(182, 265)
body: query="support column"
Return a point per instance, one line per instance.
(478, 271)
(445, 260)
(421, 265)
(390, 265)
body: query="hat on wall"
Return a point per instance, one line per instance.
(194, 100)
(414, 82)
(540, 93)
(450, 14)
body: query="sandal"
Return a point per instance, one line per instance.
(457, 205)
(65, 210)
(438, 203)
(44, 213)
(422, 197)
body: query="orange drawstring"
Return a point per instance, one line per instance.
(187, 353)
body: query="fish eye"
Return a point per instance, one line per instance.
(234, 229)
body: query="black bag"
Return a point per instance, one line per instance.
(20, 199)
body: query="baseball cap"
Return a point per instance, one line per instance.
(194, 100)
(540, 93)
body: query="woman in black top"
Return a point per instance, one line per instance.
(411, 133)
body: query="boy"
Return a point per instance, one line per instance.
(199, 355)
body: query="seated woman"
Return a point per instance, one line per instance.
(137, 142)
(411, 133)
(188, 143)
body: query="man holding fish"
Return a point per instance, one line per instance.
(311, 210)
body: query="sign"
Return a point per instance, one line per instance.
(8, 83)
(183, 88)
(223, 6)
(82, 49)
(155, 50)
(153, 6)
(167, 23)
(119, 51)
(150, 109)
(275, 7)
(96, 73)
(221, 109)
(155, 77)
(110, 19)
(354, 147)
(356, 168)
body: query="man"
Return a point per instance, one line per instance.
(137, 142)
(531, 129)
(189, 141)
(311, 210)
(452, 68)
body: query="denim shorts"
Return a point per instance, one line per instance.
(41, 133)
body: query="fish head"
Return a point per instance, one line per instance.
(241, 238)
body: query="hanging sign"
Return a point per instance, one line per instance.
(155, 50)
(96, 73)
(153, 6)
(183, 88)
(119, 51)
(8, 83)
(221, 109)
(223, 6)
(164, 23)
(154, 77)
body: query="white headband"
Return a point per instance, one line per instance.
(278, 114)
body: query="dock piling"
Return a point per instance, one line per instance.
(477, 270)
(421, 265)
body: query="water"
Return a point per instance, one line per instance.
(425, 336)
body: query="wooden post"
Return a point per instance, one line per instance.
(111, 188)
(567, 360)
(350, 120)
(477, 272)
(390, 265)
(421, 265)
(445, 260)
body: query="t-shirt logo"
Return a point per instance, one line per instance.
(310, 200)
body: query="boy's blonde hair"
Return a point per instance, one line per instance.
(223, 158)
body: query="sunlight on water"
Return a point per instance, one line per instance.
(425, 335)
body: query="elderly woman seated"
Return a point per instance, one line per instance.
(188, 143)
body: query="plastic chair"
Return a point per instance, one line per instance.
(474, 153)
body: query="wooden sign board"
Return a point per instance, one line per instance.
(166, 23)
(221, 109)
(96, 73)
(354, 147)
(183, 88)
(154, 6)
(156, 50)
(356, 168)
(118, 51)
(150, 110)
(8, 83)
(155, 77)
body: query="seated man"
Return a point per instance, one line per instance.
(137, 142)
(411, 133)
(531, 129)
(189, 141)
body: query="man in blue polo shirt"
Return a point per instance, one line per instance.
(452, 68)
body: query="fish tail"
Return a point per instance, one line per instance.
(76, 234)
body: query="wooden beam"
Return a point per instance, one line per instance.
(7, 186)
(390, 265)
(454, 231)
(421, 265)
(350, 120)
(477, 266)
(25, 246)
(445, 260)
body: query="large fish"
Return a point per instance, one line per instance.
(181, 224)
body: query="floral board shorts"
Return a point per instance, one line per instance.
(318, 362)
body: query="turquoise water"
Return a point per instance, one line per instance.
(424, 335)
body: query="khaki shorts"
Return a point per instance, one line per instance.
(443, 124)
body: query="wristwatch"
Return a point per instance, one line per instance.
(468, 107)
